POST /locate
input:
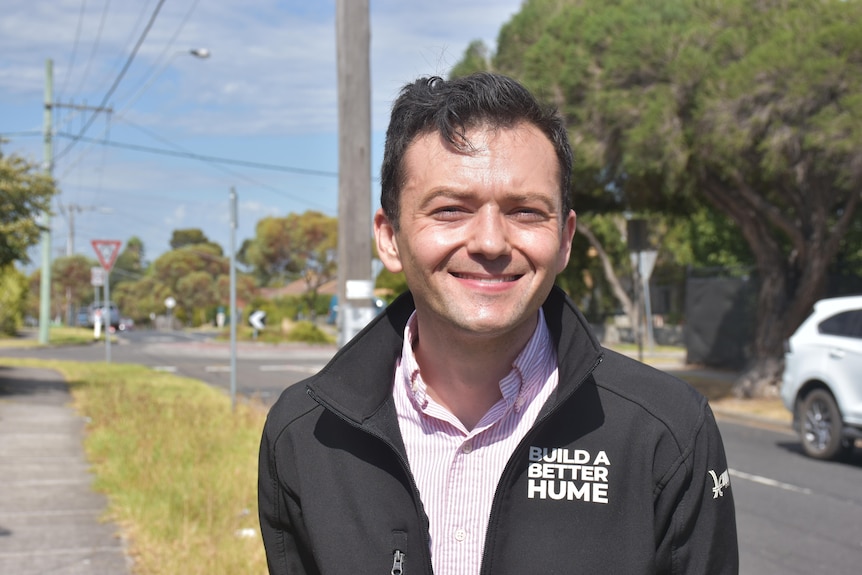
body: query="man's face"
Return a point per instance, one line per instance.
(481, 234)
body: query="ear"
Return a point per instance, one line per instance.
(566, 237)
(387, 244)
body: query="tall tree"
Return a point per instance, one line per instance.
(180, 273)
(70, 283)
(477, 58)
(298, 246)
(13, 299)
(25, 194)
(189, 237)
(130, 263)
(752, 106)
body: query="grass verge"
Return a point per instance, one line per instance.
(178, 465)
(56, 336)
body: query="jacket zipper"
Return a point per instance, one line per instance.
(533, 431)
(397, 556)
(397, 563)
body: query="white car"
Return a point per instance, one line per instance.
(822, 381)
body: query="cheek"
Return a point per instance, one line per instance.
(430, 246)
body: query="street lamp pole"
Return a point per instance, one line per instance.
(233, 226)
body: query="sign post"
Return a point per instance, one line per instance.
(107, 252)
(170, 303)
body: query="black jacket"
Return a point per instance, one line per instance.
(623, 472)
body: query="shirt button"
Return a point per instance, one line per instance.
(467, 447)
(460, 534)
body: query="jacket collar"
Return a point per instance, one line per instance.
(357, 382)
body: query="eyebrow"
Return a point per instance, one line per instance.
(465, 196)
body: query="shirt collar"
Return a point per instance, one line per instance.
(529, 369)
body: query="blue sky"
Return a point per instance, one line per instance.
(266, 95)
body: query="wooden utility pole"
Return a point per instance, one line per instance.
(354, 162)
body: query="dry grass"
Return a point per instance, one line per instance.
(178, 465)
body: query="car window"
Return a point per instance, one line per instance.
(845, 324)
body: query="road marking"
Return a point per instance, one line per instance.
(770, 482)
(167, 368)
(217, 368)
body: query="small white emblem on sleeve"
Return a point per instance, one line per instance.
(719, 483)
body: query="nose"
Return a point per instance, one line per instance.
(489, 235)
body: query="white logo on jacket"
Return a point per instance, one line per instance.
(567, 474)
(720, 482)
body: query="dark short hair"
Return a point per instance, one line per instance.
(453, 107)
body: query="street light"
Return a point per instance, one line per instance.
(200, 53)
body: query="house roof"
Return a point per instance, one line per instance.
(297, 288)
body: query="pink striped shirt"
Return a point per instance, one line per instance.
(457, 470)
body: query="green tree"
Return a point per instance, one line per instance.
(138, 299)
(752, 107)
(298, 246)
(130, 263)
(476, 58)
(70, 285)
(180, 273)
(25, 194)
(13, 298)
(189, 237)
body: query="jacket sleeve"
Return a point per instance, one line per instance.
(695, 508)
(278, 512)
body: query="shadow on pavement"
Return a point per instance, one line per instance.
(38, 382)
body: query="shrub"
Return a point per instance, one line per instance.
(307, 332)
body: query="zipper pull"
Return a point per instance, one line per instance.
(397, 563)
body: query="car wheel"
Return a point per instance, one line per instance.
(821, 425)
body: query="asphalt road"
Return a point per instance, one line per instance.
(262, 370)
(795, 515)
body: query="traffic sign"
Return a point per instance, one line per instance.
(107, 252)
(97, 277)
(257, 319)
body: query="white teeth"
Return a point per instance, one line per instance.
(486, 280)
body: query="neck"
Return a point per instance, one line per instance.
(464, 374)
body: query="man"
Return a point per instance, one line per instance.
(477, 426)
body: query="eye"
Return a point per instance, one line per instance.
(450, 212)
(528, 214)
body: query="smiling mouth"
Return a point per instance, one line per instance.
(486, 279)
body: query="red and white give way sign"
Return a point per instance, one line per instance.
(107, 252)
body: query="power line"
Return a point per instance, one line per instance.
(152, 73)
(74, 48)
(116, 82)
(201, 157)
(95, 46)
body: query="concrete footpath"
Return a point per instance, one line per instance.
(51, 519)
